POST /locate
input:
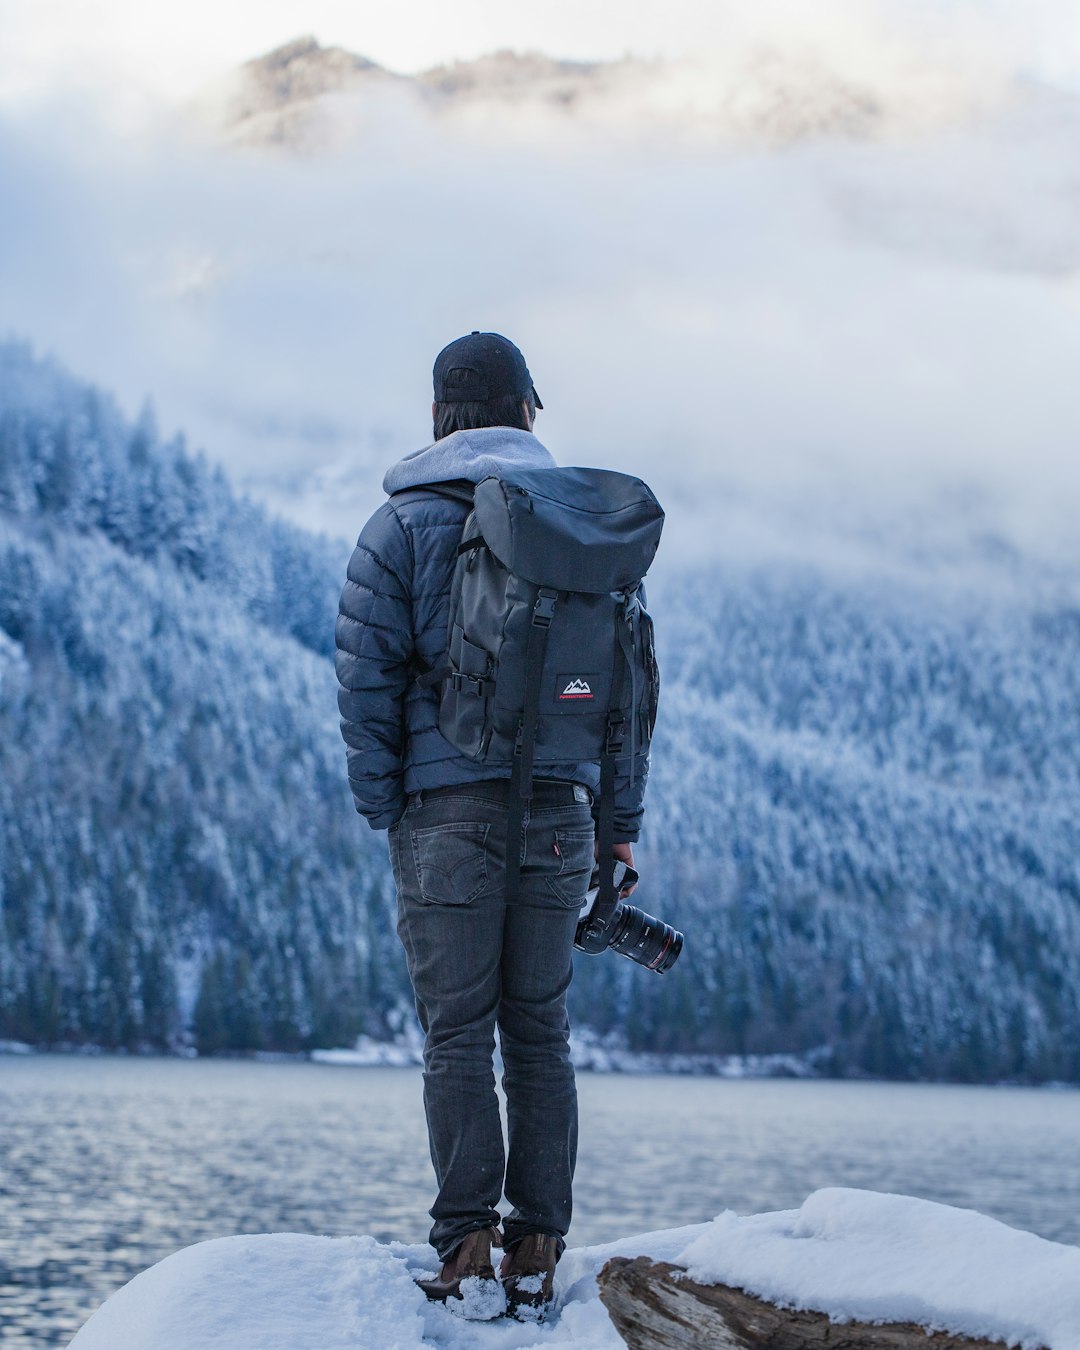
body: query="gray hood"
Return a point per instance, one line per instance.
(469, 454)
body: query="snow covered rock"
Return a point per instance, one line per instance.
(867, 1257)
(278, 1291)
(286, 1291)
(891, 1268)
(855, 1256)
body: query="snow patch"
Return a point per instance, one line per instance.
(869, 1257)
(280, 1291)
(855, 1255)
(608, 1053)
(480, 1301)
(592, 1052)
(368, 1053)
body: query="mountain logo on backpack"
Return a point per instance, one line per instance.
(577, 688)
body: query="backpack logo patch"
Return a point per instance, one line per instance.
(574, 687)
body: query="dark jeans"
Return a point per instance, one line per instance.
(477, 962)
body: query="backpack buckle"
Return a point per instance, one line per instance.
(613, 742)
(463, 683)
(544, 609)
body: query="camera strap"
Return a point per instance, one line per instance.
(607, 898)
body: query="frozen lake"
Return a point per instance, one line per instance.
(110, 1164)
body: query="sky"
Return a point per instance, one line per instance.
(791, 339)
(45, 44)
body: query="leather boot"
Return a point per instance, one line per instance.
(471, 1260)
(528, 1276)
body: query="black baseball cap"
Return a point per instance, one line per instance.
(490, 366)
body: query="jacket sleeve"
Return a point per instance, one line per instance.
(630, 795)
(630, 800)
(374, 635)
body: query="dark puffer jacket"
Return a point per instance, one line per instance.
(392, 622)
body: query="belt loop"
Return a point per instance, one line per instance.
(418, 799)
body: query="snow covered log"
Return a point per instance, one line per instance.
(655, 1306)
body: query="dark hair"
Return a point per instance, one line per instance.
(509, 410)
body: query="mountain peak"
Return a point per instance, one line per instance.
(303, 69)
(271, 97)
(760, 94)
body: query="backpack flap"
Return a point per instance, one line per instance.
(591, 530)
(550, 653)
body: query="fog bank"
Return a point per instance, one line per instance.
(796, 339)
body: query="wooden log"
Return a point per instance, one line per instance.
(655, 1306)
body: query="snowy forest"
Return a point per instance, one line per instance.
(861, 808)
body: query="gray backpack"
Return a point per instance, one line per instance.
(550, 649)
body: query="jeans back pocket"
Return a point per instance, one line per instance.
(451, 862)
(576, 854)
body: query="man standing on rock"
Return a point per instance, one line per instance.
(477, 957)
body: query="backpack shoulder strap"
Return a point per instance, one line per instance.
(521, 771)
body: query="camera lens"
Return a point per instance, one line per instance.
(648, 941)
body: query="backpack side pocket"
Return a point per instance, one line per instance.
(464, 711)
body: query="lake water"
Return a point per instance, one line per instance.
(109, 1164)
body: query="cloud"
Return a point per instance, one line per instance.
(795, 337)
(70, 43)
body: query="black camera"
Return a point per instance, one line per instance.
(625, 928)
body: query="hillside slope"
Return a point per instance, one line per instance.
(177, 845)
(862, 809)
